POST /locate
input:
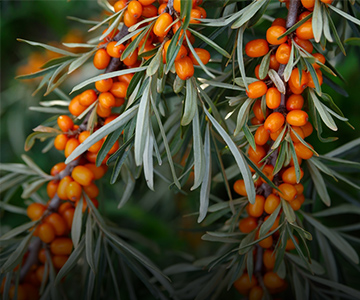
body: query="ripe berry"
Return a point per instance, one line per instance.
(288, 191)
(119, 89)
(308, 4)
(289, 176)
(274, 64)
(102, 111)
(131, 59)
(20, 292)
(61, 246)
(273, 33)
(261, 136)
(91, 190)
(101, 59)
(257, 209)
(305, 31)
(56, 169)
(302, 151)
(57, 222)
(297, 118)
(126, 78)
(273, 281)
(290, 244)
(258, 154)
(68, 216)
(98, 172)
(82, 175)
(269, 259)
(294, 102)
(239, 187)
(258, 111)
(279, 22)
(307, 129)
(256, 89)
(295, 204)
(119, 5)
(60, 141)
(305, 44)
(203, 54)
(59, 261)
(256, 293)
(244, 283)
(161, 27)
(319, 76)
(65, 123)
(184, 68)
(135, 9)
(196, 14)
(149, 11)
(296, 85)
(274, 135)
(283, 53)
(73, 191)
(46, 232)
(266, 243)
(51, 188)
(104, 85)
(146, 2)
(298, 131)
(319, 57)
(75, 107)
(35, 211)
(107, 100)
(274, 122)
(246, 225)
(61, 191)
(71, 146)
(273, 98)
(256, 48)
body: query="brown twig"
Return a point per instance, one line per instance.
(115, 62)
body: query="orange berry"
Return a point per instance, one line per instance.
(296, 85)
(91, 190)
(305, 44)
(243, 284)
(261, 136)
(273, 33)
(60, 141)
(20, 292)
(104, 85)
(65, 123)
(256, 293)
(307, 129)
(82, 175)
(51, 188)
(304, 14)
(297, 117)
(107, 100)
(98, 172)
(40, 272)
(274, 122)
(95, 147)
(257, 209)
(302, 151)
(71, 146)
(274, 135)
(161, 27)
(256, 89)
(289, 176)
(319, 76)
(294, 102)
(131, 59)
(135, 9)
(276, 223)
(149, 11)
(266, 243)
(59, 261)
(290, 244)
(63, 207)
(46, 232)
(269, 259)
(177, 5)
(283, 53)
(181, 54)
(146, 2)
(268, 171)
(102, 111)
(273, 281)
(61, 191)
(308, 4)
(56, 169)
(255, 121)
(326, 1)
(119, 5)
(129, 20)
(196, 14)
(126, 78)
(257, 68)
(299, 132)
(42, 255)
(299, 188)
(161, 8)
(35, 211)
(203, 54)
(279, 22)
(295, 204)
(73, 191)
(202, 10)
(101, 59)
(287, 191)
(184, 68)
(61, 246)
(113, 50)
(68, 216)
(305, 31)
(274, 64)
(75, 107)
(273, 98)
(319, 57)
(31, 292)
(258, 154)
(119, 89)
(114, 148)
(239, 187)
(258, 111)
(246, 225)
(57, 222)
(256, 48)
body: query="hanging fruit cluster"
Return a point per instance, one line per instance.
(282, 121)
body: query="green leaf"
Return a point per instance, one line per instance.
(243, 115)
(264, 66)
(276, 79)
(107, 145)
(336, 35)
(210, 43)
(206, 181)
(190, 104)
(345, 15)
(294, 27)
(316, 267)
(48, 47)
(77, 63)
(17, 168)
(37, 74)
(337, 210)
(17, 230)
(354, 41)
(325, 116)
(266, 226)
(238, 156)
(106, 76)
(239, 50)
(289, 212)
(317, 21)
(102, 132)
(33, 187)
(340, 243)
(77, 224)
(319, 183)
(344, 148)
(89, 243)
(250, 11)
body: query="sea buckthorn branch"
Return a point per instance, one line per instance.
(32, 258)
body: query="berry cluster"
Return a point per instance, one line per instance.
(283, 119)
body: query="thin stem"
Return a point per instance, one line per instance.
(294, 6)
(32, 258)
